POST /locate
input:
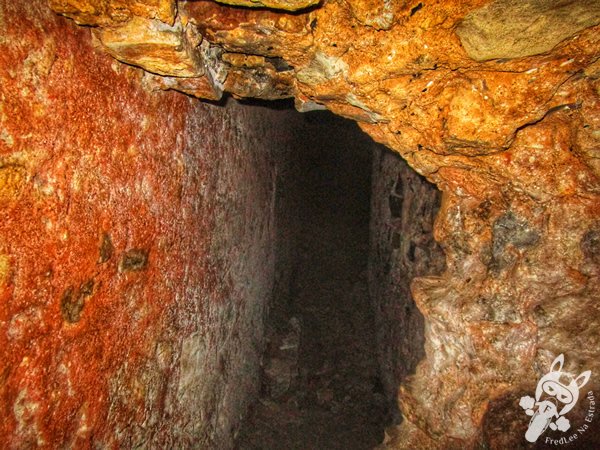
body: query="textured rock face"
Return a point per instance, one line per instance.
(136, 249)
(512, 29)
(403, 209)
(512, 143)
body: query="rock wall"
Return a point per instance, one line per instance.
(403, 209)
(136, 248)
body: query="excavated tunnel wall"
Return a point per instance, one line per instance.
(402, 247)
(136, 248)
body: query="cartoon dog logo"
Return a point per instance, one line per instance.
(555, 390)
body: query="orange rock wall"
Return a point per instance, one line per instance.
(136, 248)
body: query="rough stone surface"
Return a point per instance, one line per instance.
(513, 29)
(136, 249)
(403, 209)
(154, 46)
(512, 143)
(110, 12)
(286, 5)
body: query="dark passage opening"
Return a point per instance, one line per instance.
(329, 380)
(321, 386)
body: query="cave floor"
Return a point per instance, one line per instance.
(321, 385)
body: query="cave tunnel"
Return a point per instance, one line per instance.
(282, 224)
(322, 383)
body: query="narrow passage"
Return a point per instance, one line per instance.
(321, 387)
